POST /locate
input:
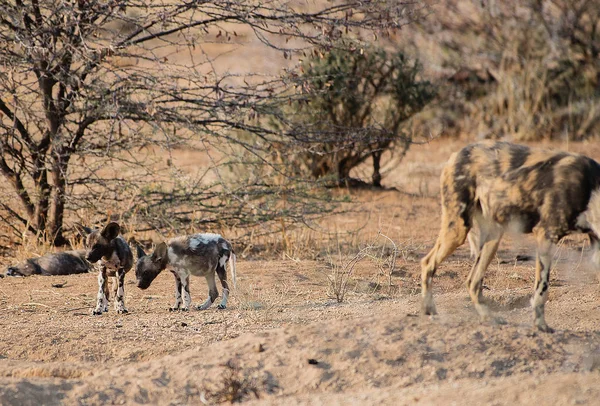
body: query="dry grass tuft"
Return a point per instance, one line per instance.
(234, 385)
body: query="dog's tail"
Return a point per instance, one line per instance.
(232, 260)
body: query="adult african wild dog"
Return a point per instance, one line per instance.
(492, 186)
(197, 254)
(59, 263)
(116, 259)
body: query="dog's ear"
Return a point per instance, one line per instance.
(160, 253)
(111, 231)
(82, 230)
(137, 246)
(140, 251)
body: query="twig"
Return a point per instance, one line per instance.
(35, 304)
(393, 261)
(296, 260)
(76, 308)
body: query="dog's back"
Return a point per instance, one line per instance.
(60, 263)
(507, 182)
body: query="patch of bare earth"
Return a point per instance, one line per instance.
(283, 340)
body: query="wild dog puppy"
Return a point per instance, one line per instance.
(494, 186)
(60, 263)
(116, 259)
(198, 255)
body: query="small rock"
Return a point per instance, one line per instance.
(313, 361)
(259, 347)
(515, 276)
(441, 373)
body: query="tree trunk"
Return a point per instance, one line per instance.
(376, 155)
(346, 164)
(344, 167)
(57, 206)
(41, 206)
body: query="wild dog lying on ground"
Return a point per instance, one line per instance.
(493, 186)
(116, 259)
(60, 263)
(198, 255)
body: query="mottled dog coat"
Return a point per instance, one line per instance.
(492, 186)
(199, 255)
(116, 259)
(60, 263)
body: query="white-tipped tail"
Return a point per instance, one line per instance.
(232, 268)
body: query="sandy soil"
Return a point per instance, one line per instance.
(284, 340)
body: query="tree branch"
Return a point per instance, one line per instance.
(18, 185)
(15, 215)
(17, 123)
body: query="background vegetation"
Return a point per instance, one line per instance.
(521, 70)
(94, 93)
(357, 102)
(100, 101)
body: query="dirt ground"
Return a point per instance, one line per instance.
(284, 340)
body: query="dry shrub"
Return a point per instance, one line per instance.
(287, 242)
(234, 385)
(351, 106)
(525, 70)
(382, 253)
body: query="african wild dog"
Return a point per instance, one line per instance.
(60, 263)
(197, 254)
(116, 259)
(493, 186)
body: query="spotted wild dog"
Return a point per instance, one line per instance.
(59, 263)
(489, 187)
(198, 255)
(116, 259)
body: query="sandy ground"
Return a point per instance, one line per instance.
(284, 340)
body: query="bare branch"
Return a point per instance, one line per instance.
(16, 122)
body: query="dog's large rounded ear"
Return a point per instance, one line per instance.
(160, 253)
(140, 251)
(82, 230)
(111, 231)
